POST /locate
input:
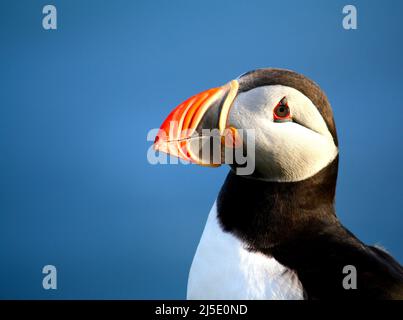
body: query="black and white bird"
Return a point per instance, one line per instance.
(274, 234)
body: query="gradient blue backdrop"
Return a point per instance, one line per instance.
(76, 190)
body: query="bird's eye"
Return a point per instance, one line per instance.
(281, 112)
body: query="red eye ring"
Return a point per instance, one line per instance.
(281, 112)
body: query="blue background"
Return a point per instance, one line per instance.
(76, 103)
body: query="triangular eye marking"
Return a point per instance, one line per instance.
(283, 101)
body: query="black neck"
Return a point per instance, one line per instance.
(266, 214)
(296, 224)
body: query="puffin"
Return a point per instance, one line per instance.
(273, 232)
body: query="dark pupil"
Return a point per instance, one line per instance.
(282, 111)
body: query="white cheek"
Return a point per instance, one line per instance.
(292, 152)
(284, 151)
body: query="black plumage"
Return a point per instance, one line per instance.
(295, 222)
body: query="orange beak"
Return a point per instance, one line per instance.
(188, 122)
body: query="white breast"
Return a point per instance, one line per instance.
(223, 268)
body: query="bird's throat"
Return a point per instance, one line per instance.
(265, 214)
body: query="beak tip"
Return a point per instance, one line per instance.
(161, 139)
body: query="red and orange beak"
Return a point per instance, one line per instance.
(187, 122)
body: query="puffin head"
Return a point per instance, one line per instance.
(282, 120)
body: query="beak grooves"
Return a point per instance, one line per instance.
(180, 125)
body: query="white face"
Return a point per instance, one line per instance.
(285, 151)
